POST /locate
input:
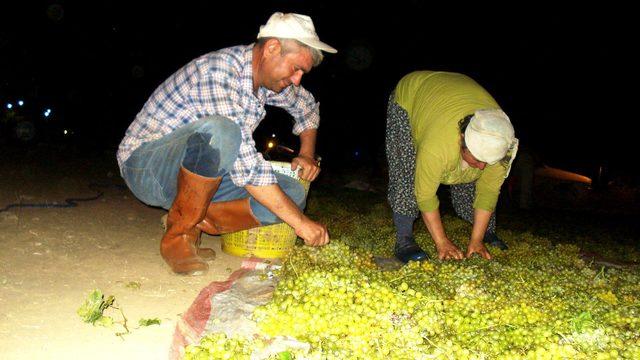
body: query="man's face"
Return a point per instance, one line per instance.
(471, 160)
(279, 71)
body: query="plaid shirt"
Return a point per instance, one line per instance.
(220, 83)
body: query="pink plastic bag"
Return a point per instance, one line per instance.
(192, 326)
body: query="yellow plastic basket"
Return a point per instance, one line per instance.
(267, 242)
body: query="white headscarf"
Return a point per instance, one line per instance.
(490, 137)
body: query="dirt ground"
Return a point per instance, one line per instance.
(52, 258)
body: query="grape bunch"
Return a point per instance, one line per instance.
(538, 300)
(533, 302)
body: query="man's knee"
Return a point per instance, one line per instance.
(222, 136)
(199, 157)
(225, 134)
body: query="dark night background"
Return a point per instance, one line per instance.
(560, 73)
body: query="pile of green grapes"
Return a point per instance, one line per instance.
(538, 300)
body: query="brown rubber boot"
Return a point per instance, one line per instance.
(179, 243)
(205, 253)
(228, 216)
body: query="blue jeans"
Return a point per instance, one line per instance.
(207, 147)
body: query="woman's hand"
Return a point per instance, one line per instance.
(448, 250)
(477, 247)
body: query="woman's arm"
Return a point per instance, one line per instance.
(480, 222)
(446, 249)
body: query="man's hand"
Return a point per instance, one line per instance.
(448, 250)
(274, 199)
(313, 233)
(477, 247)
(309, 168)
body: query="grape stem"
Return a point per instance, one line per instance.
(489, 327)
(434, 345)
(123, 323)
(402, 277)
(564, 338)
(293, 268)
(378, 346)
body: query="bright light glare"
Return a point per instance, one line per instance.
(270, 145)
(65, 131)
(20, 102)
(273, 135)
(9, 106)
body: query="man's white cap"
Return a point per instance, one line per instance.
(490, 135)
(294, 26)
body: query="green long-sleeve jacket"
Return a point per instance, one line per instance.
(436, 102)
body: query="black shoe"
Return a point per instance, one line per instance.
(408, 250)
(492, 239)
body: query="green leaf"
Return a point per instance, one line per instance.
(106, 321)
(91, 310)
(133, 285)
(105, 304)
(148, 322)
(583, 321)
